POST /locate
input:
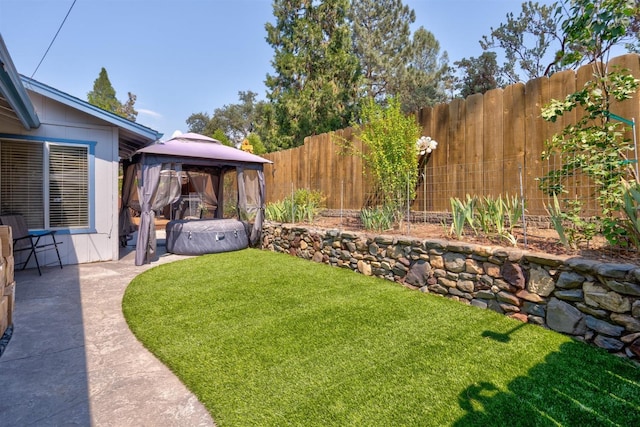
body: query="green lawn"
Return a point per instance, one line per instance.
(266, 339)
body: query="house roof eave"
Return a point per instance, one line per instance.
(13, 92)
(148, 134)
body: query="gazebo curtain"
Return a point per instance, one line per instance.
(251, 196)
(205, 184)
(127, 226)
(158, 186)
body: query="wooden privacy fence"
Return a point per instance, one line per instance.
(488, 145)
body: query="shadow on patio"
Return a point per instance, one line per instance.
(72, 359)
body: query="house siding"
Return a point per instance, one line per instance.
(65, 123)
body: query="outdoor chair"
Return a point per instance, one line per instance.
(23, 241)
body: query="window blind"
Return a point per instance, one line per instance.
(21, 181)
(68, 186)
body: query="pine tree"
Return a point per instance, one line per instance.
(382, 40)
(426, 74)
(479, 74)
(315, 85)
(103, 96)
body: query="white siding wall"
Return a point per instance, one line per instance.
(60, 121)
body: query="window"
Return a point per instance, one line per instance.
(68, 186)
(46, 182)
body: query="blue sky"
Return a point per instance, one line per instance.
(186, 56)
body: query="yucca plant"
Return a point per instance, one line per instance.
(490, 214)
(557, 219)
(513, 209)
(303, 205)
(378, 218)
(631, 206)
(462, 212)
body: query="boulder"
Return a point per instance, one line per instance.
(473, 267)
(603, 327)
(630, 323)
(623, 287)
(597, 296)
(635, 347)
(418, 273)
(538, 310)
(454, 262)
(540, 282)
(608, 343)
(513, 274)
(364, 268)
(563, 317)
(570, 280)
(508, 298)
(466, 285)
(479, 303)
(317, 257)
(569, 295)
(528, 296)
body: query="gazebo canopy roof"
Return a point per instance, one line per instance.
(193, 146)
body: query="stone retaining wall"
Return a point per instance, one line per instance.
(592, 301)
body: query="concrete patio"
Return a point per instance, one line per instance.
(72, 359)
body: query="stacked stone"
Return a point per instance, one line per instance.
(589, 300)
(7, 283)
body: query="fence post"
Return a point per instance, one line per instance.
(408, 206)
(524, 221)
(341, 199)
(424, 200)
(293, 205)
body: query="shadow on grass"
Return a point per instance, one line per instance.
(574, 386)
(504, 337)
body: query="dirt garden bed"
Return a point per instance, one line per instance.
(538, 237)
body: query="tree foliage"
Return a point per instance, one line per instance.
(393, 63)
(478, 74)
(538, 41)
(222, 137)
(382, 44)
(595, 145)
(316, 80)
(390, 155)
(235, 121)
(103, 96)
(426, 75)
(594, 27)
(198, 123)
(526, 40)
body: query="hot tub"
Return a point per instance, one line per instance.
(205, 236)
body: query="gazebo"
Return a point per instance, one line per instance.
(153, 175)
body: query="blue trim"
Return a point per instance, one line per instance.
(46, 139)
(73, 231)
(91, 145)
(79, 104)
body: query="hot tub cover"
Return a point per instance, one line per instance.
(206, 236)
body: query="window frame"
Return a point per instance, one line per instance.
(46, 143)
